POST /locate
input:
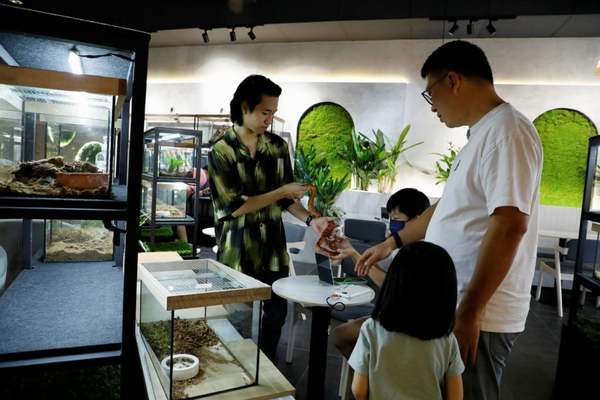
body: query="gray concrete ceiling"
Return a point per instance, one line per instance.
(389, 29)
(45, 53)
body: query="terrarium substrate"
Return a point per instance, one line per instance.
(39, 178)
(80, 244)
(197, 338)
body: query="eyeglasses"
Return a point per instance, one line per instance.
(427, 94)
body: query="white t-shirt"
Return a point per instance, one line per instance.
(501, 165)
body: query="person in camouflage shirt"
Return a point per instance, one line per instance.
(251, 181)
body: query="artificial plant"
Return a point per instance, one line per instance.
(308, 168)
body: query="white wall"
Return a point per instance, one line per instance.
(533, 74)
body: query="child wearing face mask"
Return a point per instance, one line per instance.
(403, 206)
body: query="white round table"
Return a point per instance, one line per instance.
(311, 292)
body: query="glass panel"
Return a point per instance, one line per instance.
(176, 158)
(148, 165)
(595, 201)
(155, 326)
(205, 277)
(171, 199)
(220, 337)
(70, 128)
(68, 240)
(58, 305)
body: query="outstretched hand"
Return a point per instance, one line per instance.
(373, 255)
(344, 248)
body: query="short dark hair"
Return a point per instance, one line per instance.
(458, 56)
(251, 91)
(418, 295)
(409, 201)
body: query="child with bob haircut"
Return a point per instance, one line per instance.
(407, 350)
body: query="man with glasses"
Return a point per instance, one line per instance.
(487, 216)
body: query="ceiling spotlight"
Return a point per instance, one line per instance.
(16, 2)
(75, 61)
(470, 27)
(251, 33)
(453, 29)
(232, 34)
(490, 28)
(205, 36)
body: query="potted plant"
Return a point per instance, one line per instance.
(310, 169)
(387, 176)
(443, 165)
(366, 158)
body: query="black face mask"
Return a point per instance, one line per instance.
(396, 225)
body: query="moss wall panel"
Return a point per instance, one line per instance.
(564, 134)
(327, 126)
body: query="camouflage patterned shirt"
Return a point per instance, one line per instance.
(253, 242)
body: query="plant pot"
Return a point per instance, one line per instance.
(82, 180)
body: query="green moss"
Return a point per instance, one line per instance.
(88, 152)
(92, 383)
(327, 126)
(160, 232)
(180, 246)
(564, 134)
(590, 328)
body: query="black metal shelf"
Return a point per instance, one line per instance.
(171, 221)
(591, 216)
(40, 207)
(106, 354)
(589, 282)
(169, 179)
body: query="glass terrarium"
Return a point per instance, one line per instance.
(170, 152)
(595, 194)
(170, 200)
(77, 240)
(199, 322)
(54, 142)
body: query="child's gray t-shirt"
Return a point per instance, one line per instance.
(400, 366)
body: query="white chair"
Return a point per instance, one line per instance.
(563, 270)
(294, 235)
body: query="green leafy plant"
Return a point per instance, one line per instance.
(386, 177)
(88, 152)
(310, 169)
(174, 164)
(444, 164)
(365, 157)
(180, 246)
(159, 232)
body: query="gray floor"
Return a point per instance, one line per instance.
(529, 374)
(62, 305)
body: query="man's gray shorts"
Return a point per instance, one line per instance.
(482, 381)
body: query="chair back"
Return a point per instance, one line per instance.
(365, 230)
(294, 232)
(591, 251)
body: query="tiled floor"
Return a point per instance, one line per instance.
(529, 374)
